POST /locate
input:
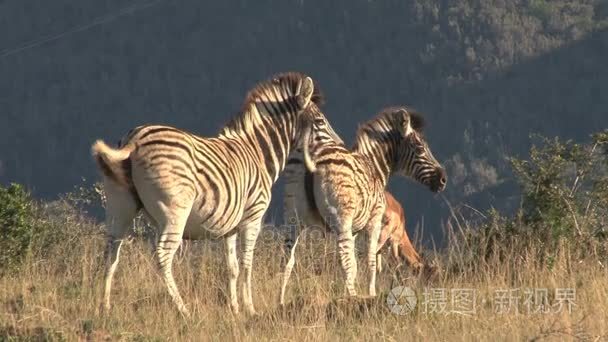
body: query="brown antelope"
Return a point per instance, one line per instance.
(394, 236)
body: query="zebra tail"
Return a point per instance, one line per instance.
(115, 164)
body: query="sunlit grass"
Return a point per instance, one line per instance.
(57, 297)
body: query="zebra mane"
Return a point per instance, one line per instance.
(384, 124)
(285, 84)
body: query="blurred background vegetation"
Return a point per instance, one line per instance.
(487, 74)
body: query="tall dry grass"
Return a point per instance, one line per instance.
(56, 295)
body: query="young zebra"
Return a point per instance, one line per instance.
(193, 188)
(348, 186)
(393, 235)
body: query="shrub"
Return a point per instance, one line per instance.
(63, 225)
(564, 188)
(16, 226)
(42, 229)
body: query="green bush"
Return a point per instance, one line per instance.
(16, 226)
(64, 224)
(41, 229)
(564, 189)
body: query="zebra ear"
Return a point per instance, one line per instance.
(406, 124)
(305, 92)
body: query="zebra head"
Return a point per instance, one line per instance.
(279, 114)
(306, 100)
(413, 157)
(394, 143)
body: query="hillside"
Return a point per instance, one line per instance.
(486, 73)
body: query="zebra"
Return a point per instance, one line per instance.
(393, 235)
(193, 187)
(348, 186)
(300, 210)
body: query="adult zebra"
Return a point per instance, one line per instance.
(348, 186)
(192, 187)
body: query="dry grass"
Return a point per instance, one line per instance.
(57, 296)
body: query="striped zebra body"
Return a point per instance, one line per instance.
(189, 172)
(349, 185)
(301, 213)
(193, 188)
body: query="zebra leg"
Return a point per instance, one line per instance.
(293, 227)
(372, 253)
(233, 269)
(379, 262)
(346, 251)
(294, 224)
(112, 254)
(288, 268)
(295, 205)
(121, 209)
(168, 243)
(250, 235)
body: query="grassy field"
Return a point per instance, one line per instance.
(57, 293)
(537, 274)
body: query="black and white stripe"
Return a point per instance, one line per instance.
(193, 188)
(346, 191)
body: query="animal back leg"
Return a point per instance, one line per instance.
(372, 254)
(121, 208)
(250, 235)
(168, 243)
(288, 269)
(346, 252)
(233, 270)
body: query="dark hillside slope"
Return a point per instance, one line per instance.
(487, 73)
